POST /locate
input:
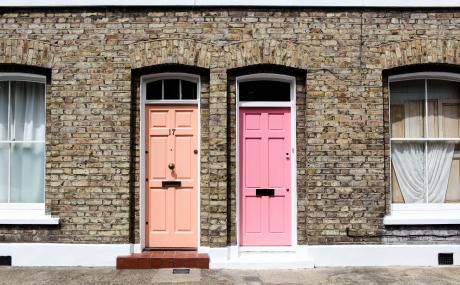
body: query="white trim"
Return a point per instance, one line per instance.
(423, 214)
(424, 76)
(425, 139)
(307, 256)
(25, 213)
(276, 3)
(28, 219)
(51, 254)
(264, 104)
(144, 80)
(64, 254)
(19, 76)
(381, 255)
(292, 104)
(173, 75)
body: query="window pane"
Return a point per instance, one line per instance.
(263, 90)
(154, 90)
(4, 110)
(408, 165)
(453, 186)
(443, 109)
(189, 90)
(28, 111)
(27, 173)
(171, 89)
(4, 149)
(407, 108)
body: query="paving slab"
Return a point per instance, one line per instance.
(331, 276)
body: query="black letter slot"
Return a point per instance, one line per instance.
(169, 183)
(265, 192)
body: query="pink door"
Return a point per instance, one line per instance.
(265, 176)
(171, 176)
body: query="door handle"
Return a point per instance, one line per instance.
(171, 166)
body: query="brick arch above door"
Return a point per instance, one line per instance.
(254, 52)
(173, 51)
(26, 52)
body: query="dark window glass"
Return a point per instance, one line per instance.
(265, 91)
(171, 89)
(154, 90)
(188, 90)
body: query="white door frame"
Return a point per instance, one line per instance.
(292, 105)
(143, 101)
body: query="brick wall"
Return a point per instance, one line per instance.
(92, 167)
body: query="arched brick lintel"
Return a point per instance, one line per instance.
(26, 52)
(254, 52)
(445, 51)
(171, 51)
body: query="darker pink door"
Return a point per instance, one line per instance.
(265, 176)
(171, 187)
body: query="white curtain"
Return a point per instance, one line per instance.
(4, 147)
(409, 165)
(27, 153)
(439, 163)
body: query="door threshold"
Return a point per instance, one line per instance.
(276, 248)
(170, 249)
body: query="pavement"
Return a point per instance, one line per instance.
(330, 276)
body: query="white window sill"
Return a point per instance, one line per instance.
(28, 220)
(423, 214)
(25, 214)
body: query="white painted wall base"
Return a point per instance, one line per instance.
(330, 255)
(381, 255)
(65, 254)
(233, 257)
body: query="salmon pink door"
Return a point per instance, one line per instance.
(171, 188)
(265, 176)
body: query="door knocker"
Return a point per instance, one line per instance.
(171, 166)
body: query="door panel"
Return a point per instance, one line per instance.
(265, 164)
(171, 212)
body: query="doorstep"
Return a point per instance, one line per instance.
(164, 259)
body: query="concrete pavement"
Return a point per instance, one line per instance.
(330, 276)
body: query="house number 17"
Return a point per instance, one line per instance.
(172, 131)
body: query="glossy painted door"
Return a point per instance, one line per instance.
(265, 164)
(171, 155)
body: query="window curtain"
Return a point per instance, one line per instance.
(27, 149)
(439, 162)
(409, 165)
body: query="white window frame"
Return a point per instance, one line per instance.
(143, 102)
(26, 213)
(421, 213)
(175, 76)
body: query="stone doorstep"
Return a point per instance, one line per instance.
(164, 259)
